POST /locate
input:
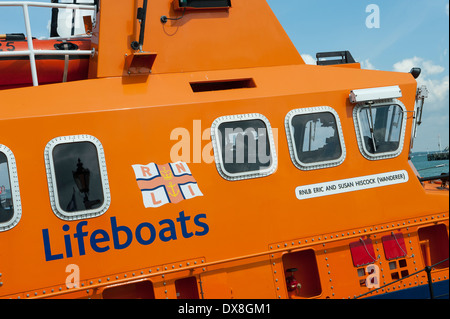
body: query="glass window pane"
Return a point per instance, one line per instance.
(381, 128)
(316, 137)
(245, 146)
(6, 200)
(78, 177)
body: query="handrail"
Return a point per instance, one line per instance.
(31, 52)
(443, 177)
(48, 5)
(47, 52)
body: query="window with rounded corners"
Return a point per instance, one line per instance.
(315, 138)
(380, 128)
(10, 204)
(243, 146)
(77, 177)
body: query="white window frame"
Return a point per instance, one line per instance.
(290, 138)
(51, 178)
(359, 133)
(15, 192)
(217, 146)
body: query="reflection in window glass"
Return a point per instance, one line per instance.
(78, 177)
(315, 137)
(6, 200)
(381, 128)
(245, 146)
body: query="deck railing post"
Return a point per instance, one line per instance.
(30, 44)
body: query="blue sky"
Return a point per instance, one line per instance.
(411, 33)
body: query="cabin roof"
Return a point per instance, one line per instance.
(84, 96)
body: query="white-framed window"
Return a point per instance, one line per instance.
(10, 204)
(243, 146)
(315, 138)
(380, 128)
(77, 177)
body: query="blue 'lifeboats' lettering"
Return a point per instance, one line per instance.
(121, 236)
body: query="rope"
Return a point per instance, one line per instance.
(404, 252)
(367, 251)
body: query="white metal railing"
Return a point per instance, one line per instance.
(31, 52)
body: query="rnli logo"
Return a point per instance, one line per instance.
(164, 184)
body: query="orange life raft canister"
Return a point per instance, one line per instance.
(15, 71)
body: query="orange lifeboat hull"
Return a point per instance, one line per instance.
(16, 70)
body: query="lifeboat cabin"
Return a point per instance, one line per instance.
(183, 149)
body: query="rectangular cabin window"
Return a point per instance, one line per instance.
(10, 207)
(315, 138)
(243, 146)
(77, 176)
(380, 129)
